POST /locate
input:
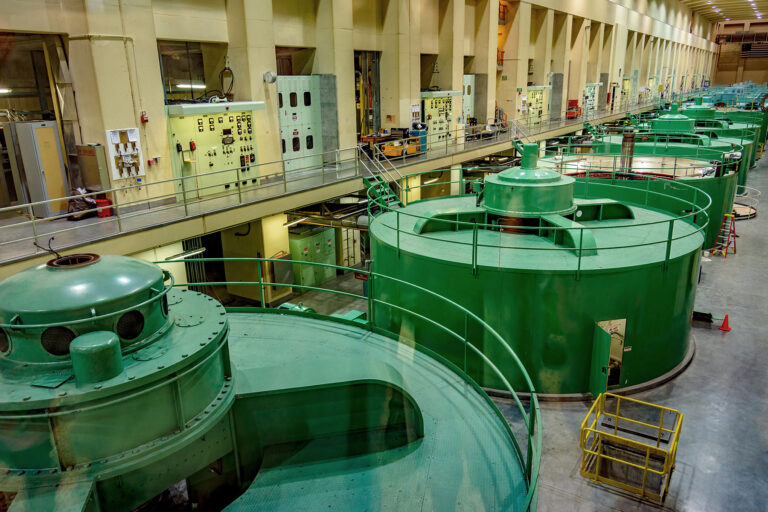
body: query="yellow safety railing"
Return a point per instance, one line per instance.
(630, 444)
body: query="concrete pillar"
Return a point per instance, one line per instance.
(335, 55)
(561, 60)
(486, 43)
(116, 76)
(579, 60)
(450, 57)
(251, 51)
(514, 73)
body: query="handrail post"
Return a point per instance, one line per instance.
(531, 429)
(183, 198)
(261, 285)
(474, 248)
(581, 246)
(34, 225)
(397, 216)
(669, 242)
(466, 339)
(237, 186)
(117, 212)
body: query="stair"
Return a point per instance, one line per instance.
(381, 192)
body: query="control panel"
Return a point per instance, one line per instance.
(537, 103)
(437, 112)
(591, 92)
(214, 151)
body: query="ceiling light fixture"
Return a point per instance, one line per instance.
(3, 90)
(294, 222)
(190, 86)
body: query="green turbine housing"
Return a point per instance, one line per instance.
(544, 281)
(114, 387)
(529, 191)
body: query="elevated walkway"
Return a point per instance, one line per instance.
(157, 213)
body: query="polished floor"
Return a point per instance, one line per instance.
(722, 462)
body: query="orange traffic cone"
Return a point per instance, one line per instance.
(725, 326)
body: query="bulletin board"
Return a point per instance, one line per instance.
(125, 158)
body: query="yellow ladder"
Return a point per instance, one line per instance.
(726, 238)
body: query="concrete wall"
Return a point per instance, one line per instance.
(112, 51)
(730, 67)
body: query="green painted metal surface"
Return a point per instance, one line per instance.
(544, 295)
(376, 472)
(289, 409)
(528, 191)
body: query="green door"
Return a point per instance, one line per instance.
(601, 353)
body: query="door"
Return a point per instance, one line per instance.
(601, 353)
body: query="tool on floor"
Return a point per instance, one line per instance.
(725, 326)
(726, 237)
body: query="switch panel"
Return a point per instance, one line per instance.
(437, 112)
(218, 152)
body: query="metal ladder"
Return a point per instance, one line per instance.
(726, 237)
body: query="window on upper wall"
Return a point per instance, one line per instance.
(184, 64)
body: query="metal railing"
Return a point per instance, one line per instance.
(140, 206)
(382, 317)
(676, 197)
(633, 450)
(579, 157)
(657, 143)
(150, 204)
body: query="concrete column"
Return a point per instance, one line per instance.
(251, 51)
(594, 64)
(335, 55)
(486, 43)
(450, 57)
(116, 76)
(395, 66)
(514, 74)
(561, 60)
(579, 60)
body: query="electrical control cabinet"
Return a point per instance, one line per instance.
(468, 103)
(626, 92)
(301, 121)
(348, 253)
(436, 112)
(537, 103)
(591, 92)
(213, 147)
(44, 170)
(317, 245)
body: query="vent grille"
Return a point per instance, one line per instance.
(5, 343)
(73, 260)
(130, 325)
(56, 340)
(754, 50)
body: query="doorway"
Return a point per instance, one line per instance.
(608, 348)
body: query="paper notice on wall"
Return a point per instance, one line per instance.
(415, 112)
(114, 137)
(133, 134)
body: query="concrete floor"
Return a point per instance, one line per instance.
(722, 461)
